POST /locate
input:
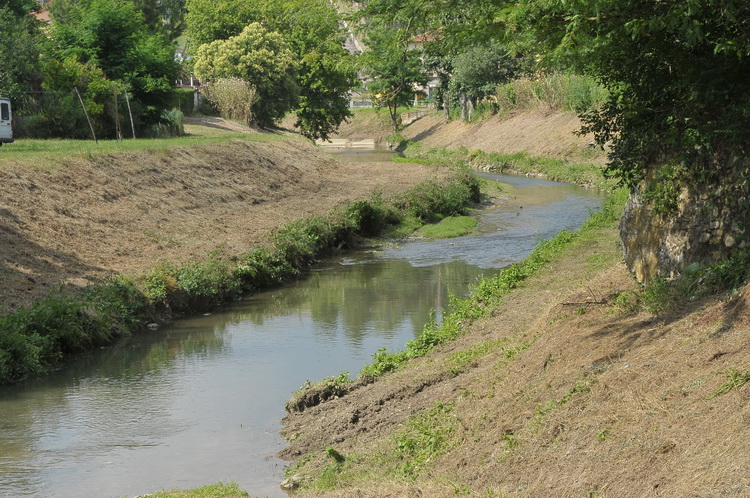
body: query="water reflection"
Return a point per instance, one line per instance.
(202, 400)
(368, 298)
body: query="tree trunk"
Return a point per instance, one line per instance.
(393, 111)
(462, 99)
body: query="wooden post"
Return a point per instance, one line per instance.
(127, 100)
(87, 114)
(118, 128)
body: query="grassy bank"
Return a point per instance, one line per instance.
(219, 490)
(585, 175)
(484, 298)
(47, 153)
(34, 340)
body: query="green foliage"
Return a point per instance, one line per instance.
(19, 54)
(427, 435)
(663, 296)
(184, 101)
(431, 201)
(219, 490)
(450, 227)
(111, 35)
(20, 8)
(35, 339)
(556, 90)
(589, 175)
(259, 57)
(393, 67)
(477, 71)
(61, 78)
(675, 72)
(325, 71)
(662, 190)
(171, 124)
(735, 380)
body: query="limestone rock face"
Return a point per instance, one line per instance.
(708, 225)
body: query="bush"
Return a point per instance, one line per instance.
(184, 101)
(563, 92)
(171, 125)
(232, 97)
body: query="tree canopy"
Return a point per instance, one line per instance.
(112, 35)
(677, 73)
(260, 57)
(19, 55)
(394, 69)
(325, 73)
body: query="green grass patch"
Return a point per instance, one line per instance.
(447, 228)
(219, 490)
(563, 92)
(735, 380)
(426, 436)
(45, 154)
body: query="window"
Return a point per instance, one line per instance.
(4, 112)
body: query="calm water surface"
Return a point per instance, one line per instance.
(202, 400)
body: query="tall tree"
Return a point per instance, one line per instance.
(260, 57)
(311, 28)
(394, 68)
(477, 72)
(19, 55)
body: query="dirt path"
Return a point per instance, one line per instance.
(88, 219)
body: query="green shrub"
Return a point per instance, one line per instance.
(184, 101)
(563, 92)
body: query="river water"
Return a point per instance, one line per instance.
(202, 400)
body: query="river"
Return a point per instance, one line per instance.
(202, 400)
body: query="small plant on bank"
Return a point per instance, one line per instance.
(735, 380)
(662, 296)
(426, 436)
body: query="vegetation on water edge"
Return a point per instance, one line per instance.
(488, 293)
(587, 175)
(35, 339)
(218, 490)
(448, 228)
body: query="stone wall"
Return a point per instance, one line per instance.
(708, 225)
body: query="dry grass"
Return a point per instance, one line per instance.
(602, 403)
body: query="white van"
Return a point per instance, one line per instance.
(6, 118)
